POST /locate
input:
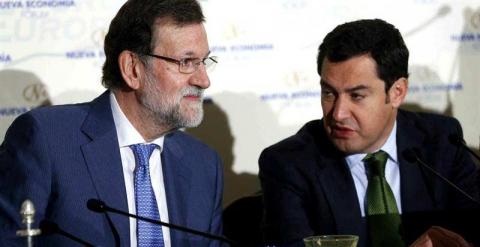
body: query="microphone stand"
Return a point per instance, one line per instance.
(100, 207)
(411, 156)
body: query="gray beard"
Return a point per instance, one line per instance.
(165, 110)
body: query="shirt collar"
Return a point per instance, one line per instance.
(127, 134)
(390, 147)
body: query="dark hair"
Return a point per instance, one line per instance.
(381, 40)
(132, 30)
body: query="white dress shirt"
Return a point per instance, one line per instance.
(392, 171)
(127, 135)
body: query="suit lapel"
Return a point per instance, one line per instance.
(416, 186)
(340, 191)
(102, 157)
(176, 175)
(337, 184)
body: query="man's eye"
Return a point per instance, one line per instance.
(190, 61)
(325, 94)
(357, 96)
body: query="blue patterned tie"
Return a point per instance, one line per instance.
(148, 234)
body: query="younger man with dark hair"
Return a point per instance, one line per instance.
(347, 173)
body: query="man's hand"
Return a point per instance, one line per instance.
(440, 237)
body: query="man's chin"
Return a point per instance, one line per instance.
(192, 119)
(346, 146)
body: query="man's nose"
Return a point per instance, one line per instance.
(341, 109)
(200, 78)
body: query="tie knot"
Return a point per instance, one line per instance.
(376, 163)
(142, 153)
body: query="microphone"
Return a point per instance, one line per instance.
(100, 207)
(458, 141)
(411, 155)
(49, 227)
(27, 211)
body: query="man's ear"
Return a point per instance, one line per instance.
(398, 92)
(130, 68)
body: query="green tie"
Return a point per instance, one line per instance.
(383, 219)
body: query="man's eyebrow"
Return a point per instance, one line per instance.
(324, 83)
(191, 53)
(356, 88)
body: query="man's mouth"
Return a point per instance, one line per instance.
(193, 97)
(342, 132)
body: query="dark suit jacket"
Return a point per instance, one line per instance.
(308, 188)
(61, 156)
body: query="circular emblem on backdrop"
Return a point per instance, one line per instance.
(35, 93)
(475, 19)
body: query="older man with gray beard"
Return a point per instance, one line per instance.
(124, 147)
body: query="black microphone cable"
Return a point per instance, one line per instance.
(116, 236)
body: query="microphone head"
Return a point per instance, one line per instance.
(48, 227)
(410, 155)
(96, 205)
